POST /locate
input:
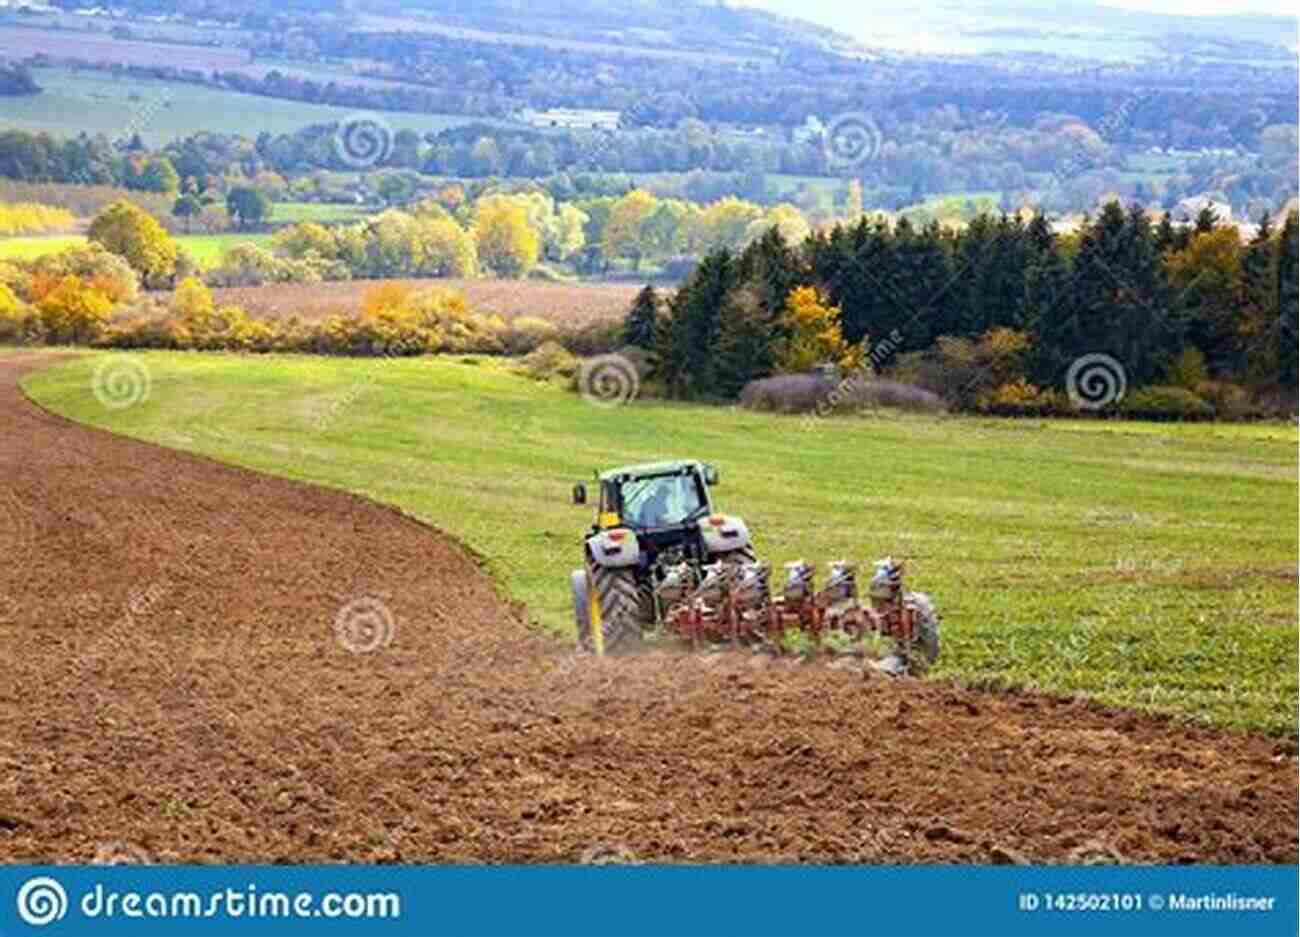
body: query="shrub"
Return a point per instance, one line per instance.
(250, 265)
(525, 333)
(130, 232)
(1164, 402)
(1230, 401)
(1020, 398)
(548, 360)
(962, 370)
(594, 338)
(94, 266)
(385, 297)
(72, 312)
(19, 323)
(809, 393)
(787, 393)
(1188, 369)
(16, 279)
(879, 392)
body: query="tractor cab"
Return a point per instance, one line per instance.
(656, 497)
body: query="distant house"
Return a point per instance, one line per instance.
(1187, 209)
(573, 118)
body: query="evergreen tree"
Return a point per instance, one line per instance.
(639, 325)
(745, 348)
(690, 337)
(1288, 331)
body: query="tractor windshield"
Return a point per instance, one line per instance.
(662, 502)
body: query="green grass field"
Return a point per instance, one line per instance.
(1146, 565)
(100, 102)
(205, 248)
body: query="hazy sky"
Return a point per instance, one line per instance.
(1186, 7)
(938, 25)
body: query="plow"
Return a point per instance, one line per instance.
(660, 560)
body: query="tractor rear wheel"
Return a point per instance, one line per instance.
(615, 606)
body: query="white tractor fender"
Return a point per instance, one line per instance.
(614, 549)
(723, 533)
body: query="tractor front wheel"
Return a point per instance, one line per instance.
(581, 606)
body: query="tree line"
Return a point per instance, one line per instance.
(1005, 303)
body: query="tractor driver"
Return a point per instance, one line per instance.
(654, 510)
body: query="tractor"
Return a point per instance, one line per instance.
(650, 519)
(661, 556)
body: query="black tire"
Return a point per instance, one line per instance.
(924, 649)
(621, 609)
(745, 554)
(581, 608)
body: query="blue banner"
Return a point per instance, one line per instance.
(649, 900)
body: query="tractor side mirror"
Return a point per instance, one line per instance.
(579, 494)
(711, 476)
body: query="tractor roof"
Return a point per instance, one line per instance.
(649, 468)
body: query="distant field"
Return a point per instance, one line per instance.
(25, 248)
(22, 41)
(571, 303)
(376, 23)
(160, 111)
(205, 248)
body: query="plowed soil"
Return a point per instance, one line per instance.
(172, 687)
